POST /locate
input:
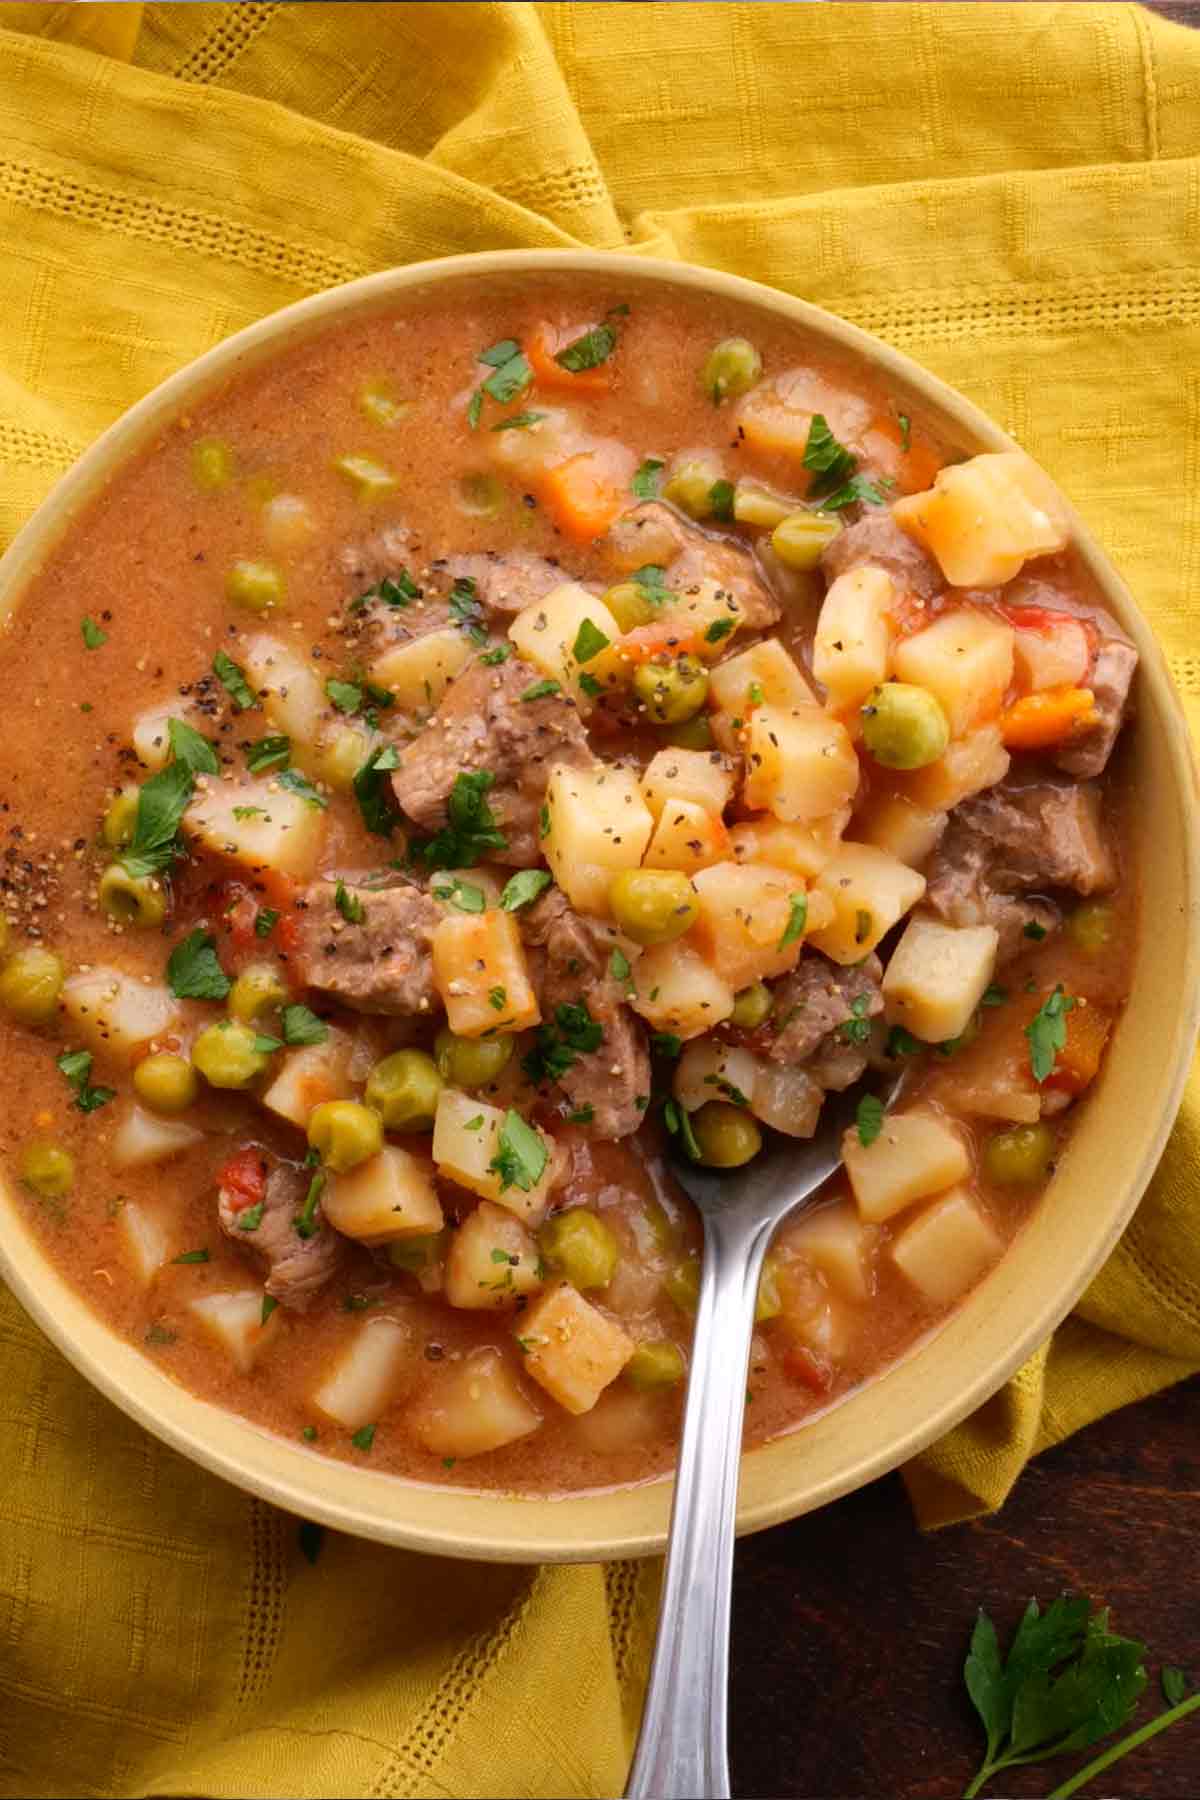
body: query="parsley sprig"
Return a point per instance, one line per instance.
(1047, 1032)
(836, 481)
(162, 802)
(573, 1034)
(470, 829)
(76, 1066)
(521, 1154)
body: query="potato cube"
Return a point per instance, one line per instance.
(703, 618)
(258, 824)
(801, 763)
(965, 660)
(547, 633)
(235, 1322)
(687, 837)
(1057, 654)
(142, 1138)
(144, 1240)
(747, 924)
(678, 992)
(937, 976)
(969, 765)
(479, 969)
(310, 1075)
(711, 1070)
(801, 849)
(473, 1406)
(387, 1197)
(115, 1014)
(492, 1261)
(599, 824)
(787, 1100)
(777, 414)
(368, 1376)
(288, 686)
(854, 635)
(571, 1348)
(149, 735)
(466, 1141)
(894, 824)
(764, 675)
(945, 1250)
(702, 777)
(917, 1153)
(810, 1315)
(869, 891)
(835, 1241)
(418, 673)
(983, 518)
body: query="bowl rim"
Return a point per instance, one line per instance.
(487, 1525)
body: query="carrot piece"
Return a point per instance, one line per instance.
(1079, 1059)
(916, 464)
(1042, 720)
(645, 642)
(540, 352)
(582, 498)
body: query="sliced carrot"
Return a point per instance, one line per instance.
(582, 497)
(1079, 1060)
(540, 352)
(1042, 720)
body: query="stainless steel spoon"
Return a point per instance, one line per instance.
(681, 1752)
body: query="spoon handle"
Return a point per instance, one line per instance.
(681, 1752)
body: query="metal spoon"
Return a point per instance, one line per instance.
(682, 1751)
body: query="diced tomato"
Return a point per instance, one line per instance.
(582, 496)
(244, 1178)
(1040, 721)
(540, 352)
(808, 1369)
(240, 910)
(1079, 1060)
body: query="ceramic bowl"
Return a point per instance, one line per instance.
(1100, 1179)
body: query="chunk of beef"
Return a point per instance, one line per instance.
(483, 724)
(385, 552)
(1109, 681)
(382, 965)
(575, 965)
(876, 538)
(379, 627)
(811, 1005)
(652, 533)
(506, 583)
(297, 1268)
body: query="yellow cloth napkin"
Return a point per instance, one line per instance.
(1008, 192)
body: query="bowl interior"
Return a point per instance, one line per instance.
(1097, 1185)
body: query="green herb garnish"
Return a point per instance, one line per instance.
(268, 753)
(645, 483)
(470, 830)
(588, 351)
(1047, 1032)
(76, 1065)
(519, 421)
(869, 1119)
(162, 802)
(265, 923)
(347, 696)
(302, 1026)
(466, 610)
(299, 784)
(93, 636)
(574, 1033)
(192, 1256)
(348, 904)
(542, 690)
(797, 919)
(193, 971)
(189, 748)
(373, 791)
(232, 678)
(521, 1154)
(589, 642)
(523, 888)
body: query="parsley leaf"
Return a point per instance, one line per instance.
(250, 812)
(373, 791)
(589, 642)
(193, 971)
(392, 590)
(498, 998)
(666, 1044)
(905, 424)
(835, 481)
(268, 753)
(508, 379)
(498, 354)
(266, 921)
(1035, 931)
(645, 483)
(678, 1122)
(588, 351)
(189, 748)
(542, 690)
(858, 491)
(299, 784)
(902, 1043)
(301, 1026)
(192, 1256)
(463, 894)
(523, 888)
(857, 1028)
(519, 421)
(76, 1065)
(364, 1437)
(619, 967)
(521, 1154)
(498, 654)
(1047, 1032)
(347, 696)
(720, 499)
(720, 628)
(348, 904)
(574, 1033)
(306, 1222)
(993, 995)
(162, 802)
(869, 1119)
(582, 1115)
(470, 828)
(467, 611)
(651, 581)
(797, 919)
(93, 636)
(590, 685)
(474, 409)
(251, 1217)
(232, 678)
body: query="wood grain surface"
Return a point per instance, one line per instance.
(850, 1626)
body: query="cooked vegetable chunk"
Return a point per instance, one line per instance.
(917, 1153)
(288, 686)
(751, 921)
(596, 824)
(571, 1348)
(965, 660)
(471, 1147)
(937, 976)
(678, 991)
(703, 779)
(854, 634)
(492, 1261)
(869, 891)
(947, 1248)
(259, 824)
(114, 1013)
(384, 1198)
(234, 1321)
(800, 764)
(418, 673)
(141, 1139)
(481, 974)
(145, 1241)
(984, 518)
(309, 1076)
(369, 1376)
(472, 1407)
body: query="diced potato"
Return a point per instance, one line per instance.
(984, 518)
(801, 764)
(235, 1322)
(701, 777)
(116, 1014)
(492, 1261)
(677, 991)
(801, 849)
(1050, 656)
(937, 976)
(368, 1376)
(479, 969)
(418, 673)
(149, 735)
(702, 608)
(143, 1138)
(965, 660)
(287, 684)
(969, 765)
(687, 837)
(895, 824)
(387, 1197)
(947, 1248)
(854, 635)
(869, 891)
(475, 1405)
(711, 1070)
(281, 830)
(144, 1240)
(745, 927)
(810, 1315)
(788, 1100)
(777, 414)
(763, 675)
(917, 1153)
(442, 883)
(598, 825)
(571, 1348)
(546, 632)
(621, 1420)
(466, 1141)
(836, 1242)
(310, 1075)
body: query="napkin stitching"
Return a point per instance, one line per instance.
(226, 42)
(40, 449)
(264, 1600)
(1149, 82)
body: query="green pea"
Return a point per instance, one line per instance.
(212, 464)
(657, 1364)
(416, 1254)
(48, 1169)
(120, 820)
(1020, 1157)
(727, 1135)
(653, 906)
(903, 726)
(731, 367)
(164, 1082)
(404, 1090)
(802, 538)
(30, 983)
(258, 987)
(377, 403)
(481, 495)
(1092, 926)
(471, 1062)
(693, 734)
(630, 605)
(368, 478)
(132, 899)
(344, 1133)
(690, 486)
(580, 1244)
(751, 1007)
(226, 1055)
(672, 691)
(258, 586)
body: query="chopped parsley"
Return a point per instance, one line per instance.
(1035, 931)
(309, 1434)
(306, 1222)
(464, 894)
(373, 791)
(510, 376)
(474, 409)
(619, 968)
(470, 830)
(679, 1124)
(720, 499)
(76, 1065)
(232, 678)
(498, 998)
(268, 753)
(542, 690)
(498, 354)
(994, 996)
(364, 1437)
(582, 1115)
(251, 1217)
(162, 802)
(302, 1026)
(193, 971)
(521, 1154)
(192, 1256)
(265, 923)
(467, 611)
(574, 1033)
(863, 925)
(347, 696)
(588, 351)
(393, 590)
(299, 784)
(645, 483)
(905, 431)
(857, 1028)
(797, 919)
(869, 1119)
(348, 904)
(720, 628)
(93, 636)
(519, 421)
(523, 888)
(499, 653)
(651, 581)
(591, 687)
(189, 748)
(250, 812)
(268, 1307)
(666, 1044)
(589, 642)
(902, 1043)
(1047, 1032)
(835, 482)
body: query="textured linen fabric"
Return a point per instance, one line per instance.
(1012, 194)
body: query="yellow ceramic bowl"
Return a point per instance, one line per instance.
(1095, 1190)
